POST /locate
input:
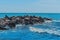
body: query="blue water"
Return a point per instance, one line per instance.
(26, 34)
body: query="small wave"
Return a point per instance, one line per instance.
(48, 21)
(56, 20)
(50, 31)
(52, 21)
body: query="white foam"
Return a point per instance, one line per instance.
(39, 30)
(56, 20)
(48, 21)
(19, 25)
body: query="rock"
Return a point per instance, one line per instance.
(3, 28)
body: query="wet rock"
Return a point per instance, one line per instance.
(1, 28)
(12, 25)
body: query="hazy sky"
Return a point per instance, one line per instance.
(44, 6)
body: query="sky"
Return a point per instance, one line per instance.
(29, 6)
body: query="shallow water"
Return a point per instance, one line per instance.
(46, 31)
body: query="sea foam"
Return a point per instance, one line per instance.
(48, 21)
(55, 20)
(50, 31)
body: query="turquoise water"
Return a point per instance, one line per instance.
(47, 31)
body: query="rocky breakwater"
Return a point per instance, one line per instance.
(12, 21)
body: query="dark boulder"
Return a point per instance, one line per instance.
(12, 25)
(1, 28)
(47, 19)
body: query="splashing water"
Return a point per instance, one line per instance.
(28, 32)
(50, 31)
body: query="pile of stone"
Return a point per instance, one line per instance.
(14, 20)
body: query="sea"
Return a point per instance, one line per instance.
(45, 31)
